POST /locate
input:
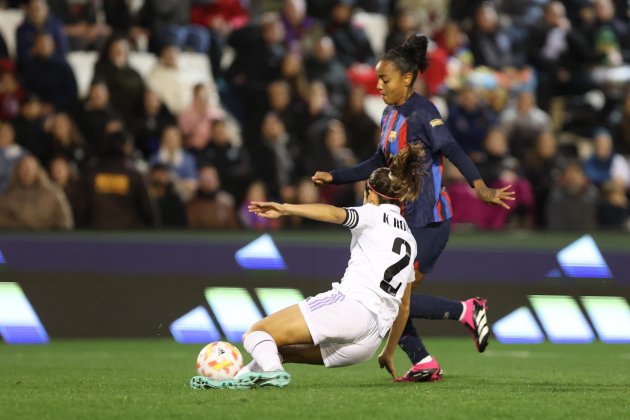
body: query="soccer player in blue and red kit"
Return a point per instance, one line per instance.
(410, 118)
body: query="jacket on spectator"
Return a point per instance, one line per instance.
(26, 33)
(115, 196)
(212, 211)
(41, 205)
(52, 79)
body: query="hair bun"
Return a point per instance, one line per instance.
(415, 48)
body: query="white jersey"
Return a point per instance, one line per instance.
(383, 252)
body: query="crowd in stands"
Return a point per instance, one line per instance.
(537, 92)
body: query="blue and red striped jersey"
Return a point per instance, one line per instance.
(419, 121)
(416, 121)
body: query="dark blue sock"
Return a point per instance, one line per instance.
(435, 307)
(412, 344)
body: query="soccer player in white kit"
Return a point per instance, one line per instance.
(346, 324)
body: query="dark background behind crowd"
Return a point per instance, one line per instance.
(137, 114)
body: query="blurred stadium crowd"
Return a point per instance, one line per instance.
(122, 114)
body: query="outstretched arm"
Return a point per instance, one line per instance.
(358, 172)
(386, 358)
(320, 212)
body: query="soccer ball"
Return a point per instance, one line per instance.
(219, 361)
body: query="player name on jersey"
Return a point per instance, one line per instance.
(397, 223)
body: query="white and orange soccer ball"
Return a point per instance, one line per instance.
(219, 361)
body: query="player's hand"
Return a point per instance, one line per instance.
(322, 178)
(386, 361)
(265, 209)
(496, 196)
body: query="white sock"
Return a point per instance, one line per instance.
(250, 367)
(462, 316)
(264, 350)
(427, 359)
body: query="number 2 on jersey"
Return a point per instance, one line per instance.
(397, 267)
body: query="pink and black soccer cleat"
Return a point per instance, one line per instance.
(422, 372)
(475, 320)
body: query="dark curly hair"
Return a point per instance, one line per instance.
(410, 56)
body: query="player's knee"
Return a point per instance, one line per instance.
(258, 326)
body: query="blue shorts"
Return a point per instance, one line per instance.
(431, 241)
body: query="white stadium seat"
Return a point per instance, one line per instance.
(10, 19)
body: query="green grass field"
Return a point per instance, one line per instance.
(126, 379)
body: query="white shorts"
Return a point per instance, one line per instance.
(345, 330)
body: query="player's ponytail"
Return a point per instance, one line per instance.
(407, 170)
(411, 56)
(402, 181)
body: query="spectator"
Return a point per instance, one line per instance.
(611, 34)
(48, 76)
(124, 17)
(491, 45)
(612, 208)
(181, 163)
(115, 194)
(323, 65)
(221, 17)
(318, 113)
(293, 72)
(66, 139)
(572, 201)
(499, 169)
(148, 125)
(404, 23)
(542, 169)
(360, 127)
(169, 23)
(351, 41)
(65, 175)
(430, 15)
(604, 164)
(31, 201)
(11, 92)
(523, 123)
(30, 129)
(81, 24)
(333, 153)
(277, 155)
(469, 119)
(173, 84)
(231, 160)
(256, 191)
(211, 208)
(621, 128)
(306, 193)
(96, 117)
(162, 190)
(299, 28)
(39, 19)
(10, 153)
(126, 87)
(284, 102)
(259, 50)
(195, 121)
(561, 56)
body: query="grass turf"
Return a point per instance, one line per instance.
(124, 379)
